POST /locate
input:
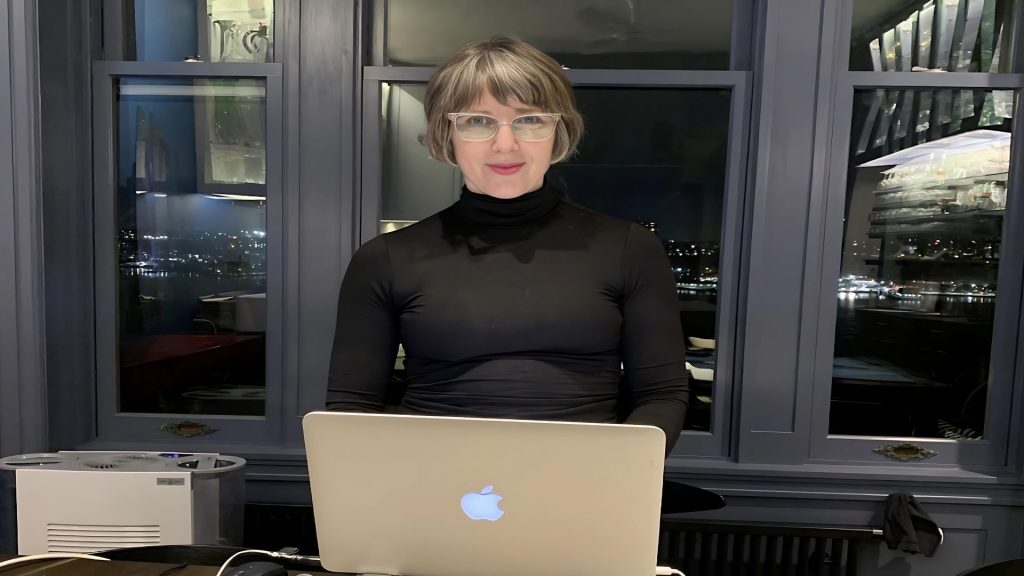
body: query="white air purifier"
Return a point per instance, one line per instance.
(92, 501)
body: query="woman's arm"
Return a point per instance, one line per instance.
(365, 335)
(653, 351)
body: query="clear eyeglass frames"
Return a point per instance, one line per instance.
(528, 127)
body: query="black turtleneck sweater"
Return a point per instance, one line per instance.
(529, 308)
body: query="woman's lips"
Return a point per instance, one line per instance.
(505, 169)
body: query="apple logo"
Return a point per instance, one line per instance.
(482, 505)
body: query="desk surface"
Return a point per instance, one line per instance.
(121, 568)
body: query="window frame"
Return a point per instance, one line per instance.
(717, 442)
(145, 427)
(824, 256)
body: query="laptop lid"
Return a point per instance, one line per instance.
(439, 496)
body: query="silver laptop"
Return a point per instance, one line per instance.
(437, 496)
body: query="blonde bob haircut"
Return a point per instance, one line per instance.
(514, 72)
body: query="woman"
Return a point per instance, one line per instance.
(511, 302)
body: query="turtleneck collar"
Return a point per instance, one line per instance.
(489, 211)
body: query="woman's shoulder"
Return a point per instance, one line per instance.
(572, 209)
(598, 221)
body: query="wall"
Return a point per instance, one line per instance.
(22, 388)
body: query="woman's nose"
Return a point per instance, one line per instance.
(505, 139)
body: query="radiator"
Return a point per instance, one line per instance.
(275, 526)
(704, 548)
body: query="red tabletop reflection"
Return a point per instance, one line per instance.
(156, 371)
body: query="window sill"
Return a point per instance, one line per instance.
(946, 485)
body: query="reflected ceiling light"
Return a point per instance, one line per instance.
(236, 197)
(236, 90)
(964, 142)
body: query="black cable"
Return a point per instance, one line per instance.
(173, 569)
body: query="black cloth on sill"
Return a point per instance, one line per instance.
(514, 308)
(908, 527)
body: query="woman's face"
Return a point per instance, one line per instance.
(503, 166)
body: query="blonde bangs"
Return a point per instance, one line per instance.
(509, 83)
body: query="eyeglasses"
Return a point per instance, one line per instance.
(528, 127)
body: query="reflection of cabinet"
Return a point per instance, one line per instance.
(913, 338)
(941, 348)
(939, 238)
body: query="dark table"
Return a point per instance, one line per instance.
(121, 568)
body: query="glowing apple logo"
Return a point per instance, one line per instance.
(482, 505)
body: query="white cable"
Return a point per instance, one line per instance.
(50, 556)
(227, 562)
(667, 571)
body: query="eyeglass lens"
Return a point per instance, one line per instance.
(528, 127)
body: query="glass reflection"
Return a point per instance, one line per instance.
(932, 36)
(917, 287)
(208, 30)
(622, 34)
(191, 247)
(658, 157)
(652, 156)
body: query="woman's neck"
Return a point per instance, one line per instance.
(478, 208)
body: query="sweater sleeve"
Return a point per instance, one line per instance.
(366, 333)
(653, 351)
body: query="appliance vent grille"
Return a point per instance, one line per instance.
(93, 538)
(140, 458)
(117, 461)
(102, 465)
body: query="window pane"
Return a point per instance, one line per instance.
(653, 156)
(917, 291)
(946, 35)
(657, 34)
(212, 30)
(658, 157)
(191, 216)
(414, 184)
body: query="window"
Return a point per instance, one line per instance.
(192, 250)
(668, 175)
(937, 36)
(918, 281)
(187, 219)
(917, 333)
(663, 148)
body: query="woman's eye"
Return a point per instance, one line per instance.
(531, 120)
(478, 120)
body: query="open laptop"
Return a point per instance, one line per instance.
(437, 496)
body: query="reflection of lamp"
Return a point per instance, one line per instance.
(250, 197)
(392, 225)
(966, 171)
(150, 152)
(238, 311)
(956, 144)
(251, 313)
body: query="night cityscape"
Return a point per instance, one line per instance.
(244, 255)
(239, 255)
